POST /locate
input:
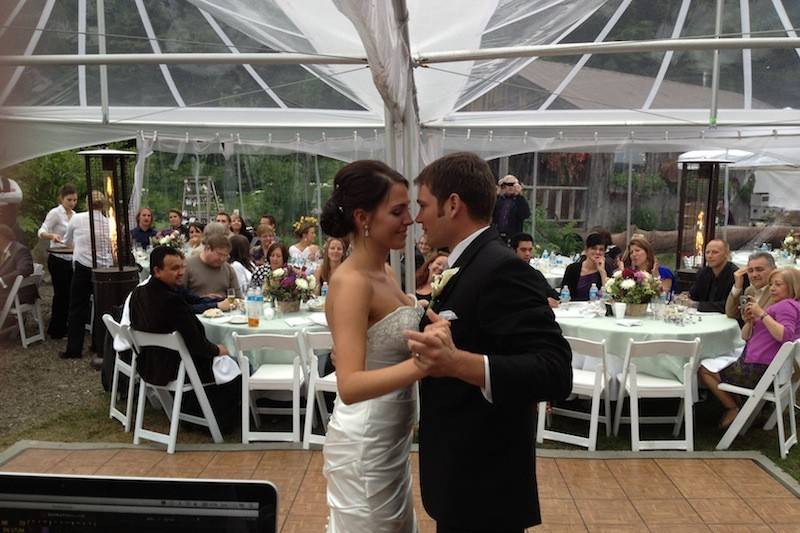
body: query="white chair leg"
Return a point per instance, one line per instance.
(114, 392)
(593, 421)
(688, 407)
(296, 406)
(248, 407)
(607, 417)
(140, 411)
(311, 398)
(676, 429)
(634, 406)
(618, 413)
(175, 420)
(737, 424)
(21, 325)
(323, 409)
(540, 422)
(131, 394)
(779, 413)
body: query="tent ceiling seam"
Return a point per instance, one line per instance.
(787, 24)
(250, 70)
(623, 6)
(151, 35)
(747, 55)
(524, 64)
(665, 62)
(82, 51)
(44, 17)
(12, 16)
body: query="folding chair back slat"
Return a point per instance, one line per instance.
(317, 340)
(121, 367)
(19, 309)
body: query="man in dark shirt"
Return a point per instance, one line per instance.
(144, 230)
(522, 244)
(715, 280)
(159, 307)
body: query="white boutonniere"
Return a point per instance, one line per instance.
(440, 280)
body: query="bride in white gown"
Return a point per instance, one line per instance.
(369, 436)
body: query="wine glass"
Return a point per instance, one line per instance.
(232, 298)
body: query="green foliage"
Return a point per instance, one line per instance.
(641, 183)
(644, 218)
(552, 235)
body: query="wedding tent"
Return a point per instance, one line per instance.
(404, 80)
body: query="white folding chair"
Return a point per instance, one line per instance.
(640, 385)
(9, 303)
(271, 377)
(38, 268)
(121, 367)
(775, 386)
(592, 383)
(19, 309)
(317, 385)
(90, 324)
(172, 341)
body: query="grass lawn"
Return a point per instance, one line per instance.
(90, 423)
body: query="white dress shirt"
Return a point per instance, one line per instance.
(458, 249)
(79, 235)
(56, 222)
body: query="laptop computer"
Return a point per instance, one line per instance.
(45, 503)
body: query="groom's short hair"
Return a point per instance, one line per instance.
(465, 174)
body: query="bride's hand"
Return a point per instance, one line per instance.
(433, 350)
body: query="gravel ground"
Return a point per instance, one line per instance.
(36, 385)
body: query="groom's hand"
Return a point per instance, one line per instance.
(434, 351)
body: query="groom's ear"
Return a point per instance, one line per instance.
(454, 205)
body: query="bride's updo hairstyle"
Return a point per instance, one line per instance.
(359, 185)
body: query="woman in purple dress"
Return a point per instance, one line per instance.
(765, 331)
(590, 269)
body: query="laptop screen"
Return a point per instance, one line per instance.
(54, 504)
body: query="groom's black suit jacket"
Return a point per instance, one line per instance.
(476, 457)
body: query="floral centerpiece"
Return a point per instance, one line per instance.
(289, 286)
(791, 244)
(633, 287)
(173, 240)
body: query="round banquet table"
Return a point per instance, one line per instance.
(220, 331)
(552, 275)
(718, 335)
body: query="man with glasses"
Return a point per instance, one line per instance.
(756, 274)
(208, 274)
(511, 208)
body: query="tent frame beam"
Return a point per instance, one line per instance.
(568, 49)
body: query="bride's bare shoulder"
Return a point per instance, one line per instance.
(350, 281)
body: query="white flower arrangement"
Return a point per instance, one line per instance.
(440, 280)
(791, 244)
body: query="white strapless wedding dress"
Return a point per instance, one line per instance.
(368, 443)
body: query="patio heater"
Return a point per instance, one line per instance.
(107, 172)
(698, 184)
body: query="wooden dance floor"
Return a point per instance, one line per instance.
(636, 494)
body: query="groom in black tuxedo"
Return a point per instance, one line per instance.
(496, 355)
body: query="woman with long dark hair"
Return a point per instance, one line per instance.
(369, 434)
(334, 251)
(240, 261)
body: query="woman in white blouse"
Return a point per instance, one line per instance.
(53, 229)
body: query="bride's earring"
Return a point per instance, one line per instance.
(366, 230)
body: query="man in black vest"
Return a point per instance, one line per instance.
(493, 351)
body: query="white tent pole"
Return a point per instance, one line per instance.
(151, 37)
(630, 197)
(553, 50)
(785, 21)
(727, 206)
(12, 16)
(101, 47)
(239, 180)
(392, 161)
(82, 51)
(319, 195)
(747, 55)
(712, 119)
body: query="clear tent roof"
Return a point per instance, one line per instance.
(660, 99)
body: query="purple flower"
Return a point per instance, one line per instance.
(639, 276)
(287, 282)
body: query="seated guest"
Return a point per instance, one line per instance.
(435, 265)
(224, 219)
(277, 257)
(765, 332)
(239, 227)
(175, 224)
(144, 230)
(759, 266)
(305, 249)
(195, 242)
(215, 228)
(158, 307)
(522, 244)
(270, 222)
(590, 268)
(334, 252)
(209, 274)
(715, 280)
(265, 237)
(15, 260)
(640, 256)
(241, 262)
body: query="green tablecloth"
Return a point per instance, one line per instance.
(219, 331)
(718, 335)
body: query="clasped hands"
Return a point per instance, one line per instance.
(433, 349)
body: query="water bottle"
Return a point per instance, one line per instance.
(324, 290)
(254, 308)
(545, 255)
(564, 294)
(663, 297)
(592, 293)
